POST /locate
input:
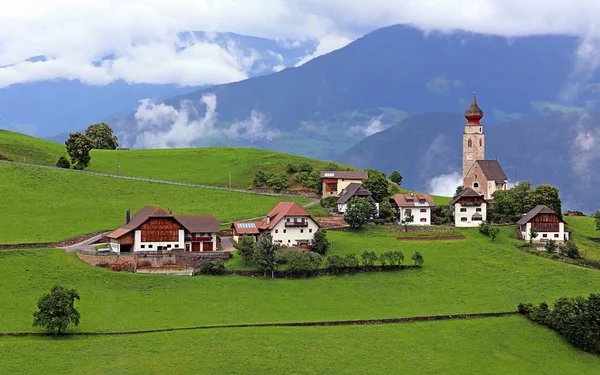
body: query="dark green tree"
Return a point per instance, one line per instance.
(407, 219)
(78, 148)
(57, 310)
(548, 196)
(550, 246)
(261, 178)
(63, 162)
(320, 243)
(358, 212)
(386, 211)
(102, 137)
(305, 167)
(533, 233)
(458, 190)
(442, 215)
(571, 250)
(245, 247)
(368, 258)
(596, 217)
(265, 255)
(377, 183)
(396, 177)
(278, 182)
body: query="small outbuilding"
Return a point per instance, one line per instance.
(547, 224)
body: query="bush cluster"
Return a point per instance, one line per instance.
(392, 258)
(488, 230)
(276, 181)
(570, 249)
(216, 267)
(302, 261)
(577, 319)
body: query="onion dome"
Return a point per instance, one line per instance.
(474, 114)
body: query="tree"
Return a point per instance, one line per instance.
(358, 212)
(571, 250)
(79, 147)
(63, 162)
(265, 255)
(596, 216)
(278, 182)
(305, 167)
(261, 178)
(320, 243)
(417, 258)
(550, 246)
(396, 177)
(533, 233)
(368, 258)
(458, 190)
(102, 137)
(442, 215)
(546, 195)
(493, 232)
(386, 211)
(407, 219)
(377, 184)
(298, 261)
(245, 248)
(57, 310)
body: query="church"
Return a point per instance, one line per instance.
(483, 176)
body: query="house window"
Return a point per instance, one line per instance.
(555, 235)
(545, 235)
(310, 231)
(478, 209)
(168, 246)
(288, 241)
(288, 219)
(423, 210)
(301, 230)
(463, 219)
(143, 246)
(463, 210)
(150, 246)
(423, 220)
(475, 185)
(276, 230)
(284, 231)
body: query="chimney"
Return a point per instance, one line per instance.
(127, 216)
(170, 210)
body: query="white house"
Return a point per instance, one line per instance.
(334, 182)
(547, 223)
(154, 229)
(470, 208)
(353, 190)
(419, 205)
(288, 224)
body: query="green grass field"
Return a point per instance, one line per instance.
(40, 204)
(23, 148)
(585, 235)
(509, 345)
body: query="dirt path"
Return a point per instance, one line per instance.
(84, 245)
(227, 243)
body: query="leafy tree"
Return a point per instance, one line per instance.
(407, 219)
(571, 250)
(63, 162)
(57, 310)
(368, 258)
(329, 202)
(396, 177)
(305, 167)
(358, 212)
(102, 137)
(596, 216)
(303, 261)
(442, 215)
(533, 233)
(386, 211)
(265, 255)
(332, 167)
(245, 248)
(396, 258)
(548, 196)
(377, 183)
(78, 148)
(311, 180)
(335, 262)
(320, 243)
(261, 178)
(291, 168)
(417, 258)
(550, 246)
(493, 232)
(510, 205)
(351, 261)
(458, 190)
(278, 182)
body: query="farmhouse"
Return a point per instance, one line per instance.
(334, 182)
(470, 208)
(354, 190)
(419, 205)
(547, 223)
(483, 176)
(155, 229)
(288, 224)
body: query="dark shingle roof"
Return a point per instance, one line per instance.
(539, 209)
(353, 190)
(199, 223)
(350, 175)
(466, 193)
(492, 170)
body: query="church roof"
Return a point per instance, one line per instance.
(492, 170)
(474, 114)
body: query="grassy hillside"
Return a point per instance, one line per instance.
(209, 166)
(21, 147)
(585, 235)
(40, 204)
(509, 345)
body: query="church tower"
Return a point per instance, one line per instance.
(473, 137)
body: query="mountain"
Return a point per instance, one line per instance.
(47, 108)
(562, 150)
(321, 107)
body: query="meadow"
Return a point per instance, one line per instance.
(23, 148)
(41, 204)
(585, 235)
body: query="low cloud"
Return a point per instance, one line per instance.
(164, 126)
(374, 125)
(585, 147)
(445, 184)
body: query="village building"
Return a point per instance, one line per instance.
(154, 229)
(470, 208)
(419, 205)
(334, 182)
(354, 190)
(288, 224)
(483, 176)
(547, 224)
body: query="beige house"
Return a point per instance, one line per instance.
(419, 205)
(334, 182)
(470, 208)
(288, 224)
(547, 223)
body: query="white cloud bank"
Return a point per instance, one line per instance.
(445, 184)
(164, 126)
(141, 36)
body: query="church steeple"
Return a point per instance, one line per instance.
(474, 114)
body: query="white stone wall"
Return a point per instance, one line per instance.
(289, 235)
(468, 214)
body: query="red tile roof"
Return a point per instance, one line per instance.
(280, 211)
(242, 228)
(412, 200)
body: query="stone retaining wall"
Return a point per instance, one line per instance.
(106, 260)
(186, 260)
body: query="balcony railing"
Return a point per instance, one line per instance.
(296, 223)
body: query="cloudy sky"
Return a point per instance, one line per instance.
(100, 41)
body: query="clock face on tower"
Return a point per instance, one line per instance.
(469, 156)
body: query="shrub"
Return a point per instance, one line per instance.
(320, 243)
(303, 261)
(396, 257)
(571, 250)
(329, 202)
(493, 232)
(305, 167)
(351, 261)
(216, 267)
(335, 262)
(63, 162)
(417, 258)
(245, 248)
(291, 168)
(484, 228)
(278, 182)
(550, 246)
(368, 258)
(386, 211)
(384, 259)
(261, 178)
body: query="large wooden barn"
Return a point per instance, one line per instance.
(547, 224)
(155, 229)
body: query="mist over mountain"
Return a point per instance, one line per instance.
(562, 150)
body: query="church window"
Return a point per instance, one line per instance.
(470, 143)
(480, 142)
(476, 185)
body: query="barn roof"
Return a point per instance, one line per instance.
(539, 209)
(349, 175)
(466, 193)
(355, 189)
(413, 200)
